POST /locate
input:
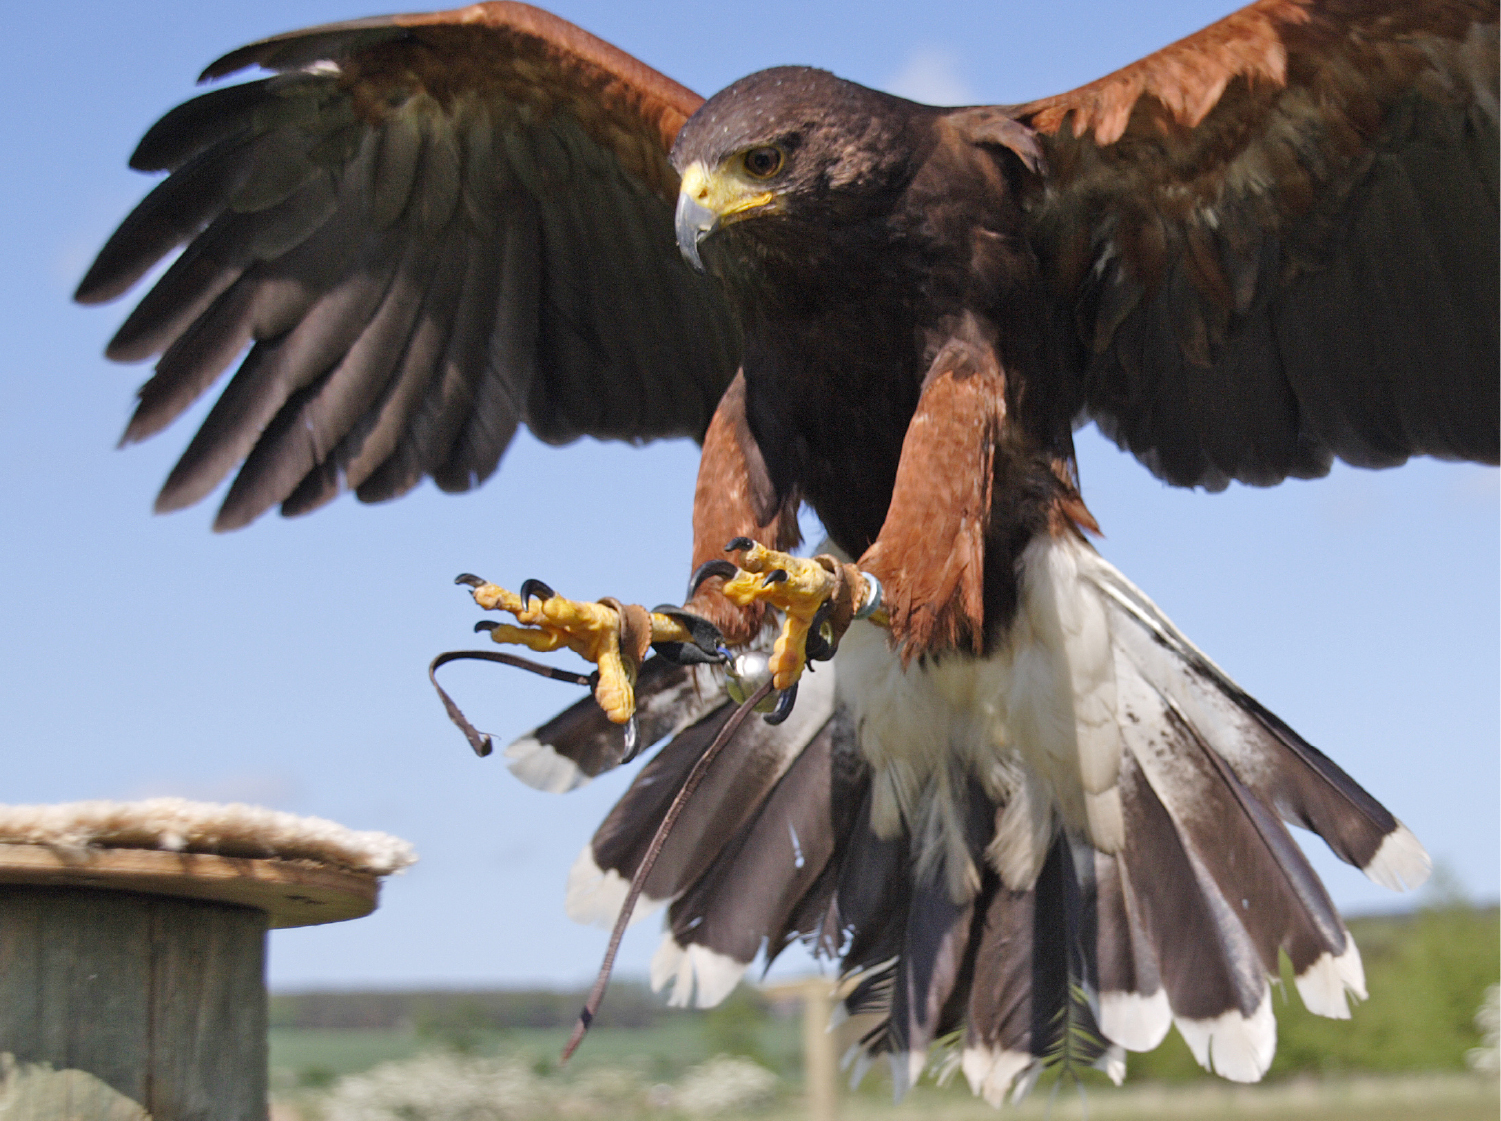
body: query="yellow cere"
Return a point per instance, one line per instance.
(726, 192)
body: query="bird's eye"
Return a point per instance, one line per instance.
(763, 163)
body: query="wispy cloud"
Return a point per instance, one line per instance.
(931, 75)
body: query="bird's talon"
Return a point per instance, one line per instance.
(785, 701)
(822, 643)
(722, 568)
(740, 545)
(470, 579)
(701, 641)
(776, 576)
(615, 636)
(537, 588)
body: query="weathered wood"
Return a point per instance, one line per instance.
(294, 893)
(820, 1064)
(161, 999)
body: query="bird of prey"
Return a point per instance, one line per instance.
(1028, 817)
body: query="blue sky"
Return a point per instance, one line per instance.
(284, 664)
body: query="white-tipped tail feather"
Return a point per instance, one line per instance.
(1136, 1021)
(595, 895)
(906, 1069)
(1401, 863)
(992, 1073)
(1057, 851)
(540, 767)
(699, 977)
(1323, 984)
(1232, 1044)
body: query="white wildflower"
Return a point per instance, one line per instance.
(441, 1087)
(725, 1085)
(446, 1087)
(1487, 1057)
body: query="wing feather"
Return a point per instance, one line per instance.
(1276, 241)
(318, 205)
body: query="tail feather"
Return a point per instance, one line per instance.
(1029, 1001)
(1211, 970)
(581, 743)
(731, 913)
(1244, 848)
(812, 919)
(935, 942)
(982, 904)
(744, 775)
(1305, 786)
(1134, 1009)
(870, 903)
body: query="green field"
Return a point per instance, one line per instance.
(1400, 1058)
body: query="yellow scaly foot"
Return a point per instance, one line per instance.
(612, 635)
(799, 587)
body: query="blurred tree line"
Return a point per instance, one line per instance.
(630, 1005)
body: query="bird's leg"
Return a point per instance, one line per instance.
(734, 498)
(612, 635)
(930, 553)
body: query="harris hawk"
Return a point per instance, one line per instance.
(1026, 814)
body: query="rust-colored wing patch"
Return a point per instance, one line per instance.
(1273, 243)
(524, 57)
(733, 499)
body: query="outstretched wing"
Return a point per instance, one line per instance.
(427, 230)
(1275, 241)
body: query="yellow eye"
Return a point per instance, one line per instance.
(763, 163)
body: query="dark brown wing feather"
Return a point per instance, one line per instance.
(1275, 242)
(428, 230)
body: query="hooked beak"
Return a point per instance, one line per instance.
(709, 200)
(695, 221)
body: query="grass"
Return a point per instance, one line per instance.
(1400, 1058)
(1452, 1097)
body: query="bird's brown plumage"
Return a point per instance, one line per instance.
(1266, 246)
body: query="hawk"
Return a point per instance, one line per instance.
(1024, 812)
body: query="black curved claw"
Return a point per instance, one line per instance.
(785, 701)
(485, 625)
(775, 576)
(536, 588)
(471, 579)
(739, 545)
(710, 568)
(632, 740)
(707, 644)
(818, 648)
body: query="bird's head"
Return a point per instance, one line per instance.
(783, 160)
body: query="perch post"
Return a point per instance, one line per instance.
(820, 1064)
(134, 967)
